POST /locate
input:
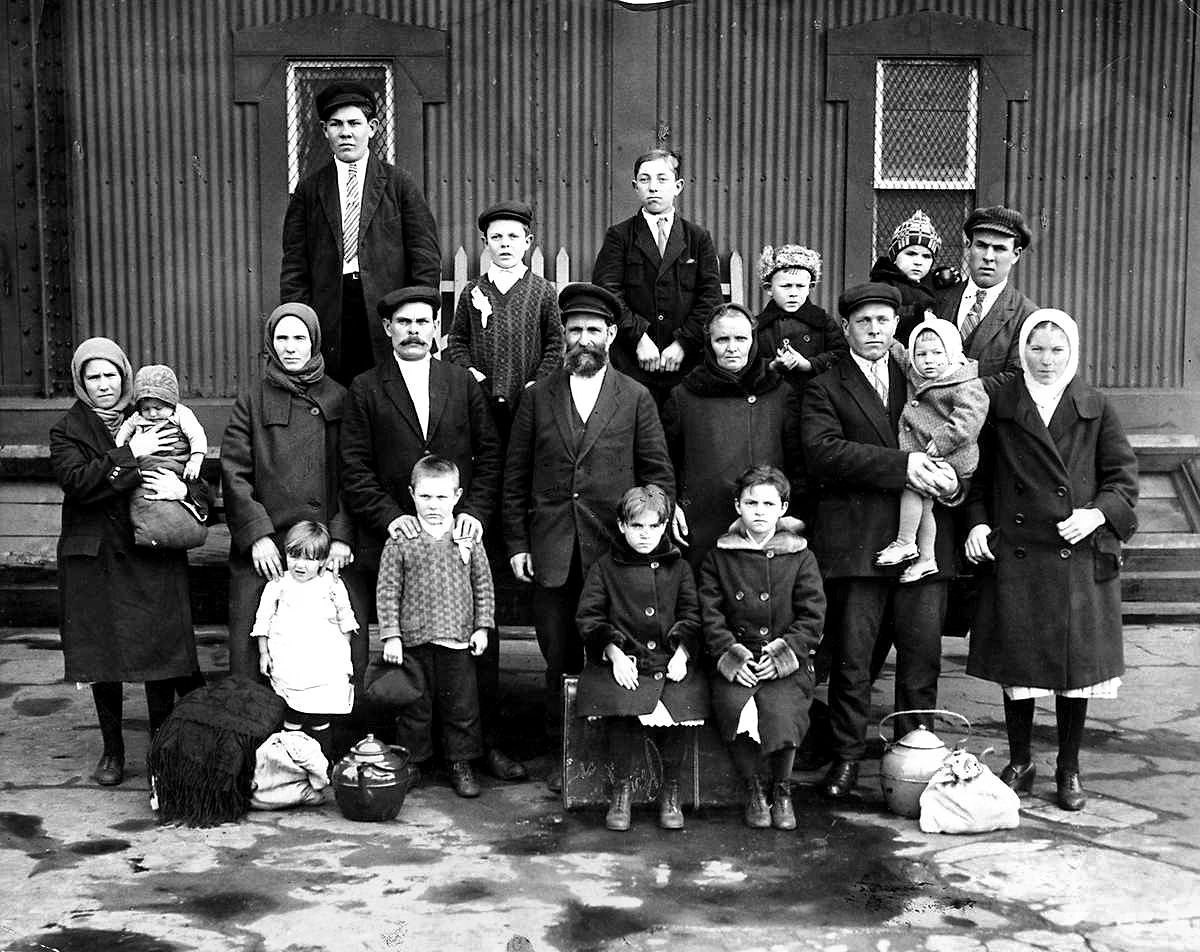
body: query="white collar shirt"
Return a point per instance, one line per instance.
(585, 391)
(869, 368)
(505, 278)
(416, 379)
(971, 291)
(653, 220)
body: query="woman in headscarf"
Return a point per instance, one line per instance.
(279, 465)
(125, 613)
(726, 415)
(1050, 504)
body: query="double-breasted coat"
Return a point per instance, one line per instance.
(124, 609)
(995, 339)
(1049, 613)
(397, 247)
(812, 333)
(755, 601)
(645, 605)
(561, 491)
(382, 440)
(668, 296)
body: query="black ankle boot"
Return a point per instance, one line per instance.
(670, 815)
(619, 807)
(758, 814)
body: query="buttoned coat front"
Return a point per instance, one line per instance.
(397, 247)
(1049, 613)
(994, 341)
(857, 471)
(559, 494)
(668, 296)
(382, 439)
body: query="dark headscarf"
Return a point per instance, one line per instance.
(297, 381)
(101, 348)
(710, 379)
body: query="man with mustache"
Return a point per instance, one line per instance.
(407, 407)
(582, 436)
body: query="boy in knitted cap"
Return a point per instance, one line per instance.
(942, 417)
(156, 403)
(799, 338)
(906, 267)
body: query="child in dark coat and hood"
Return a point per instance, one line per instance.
(907, 267)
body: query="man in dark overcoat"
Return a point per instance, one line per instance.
(849, 420)
(407, 407)
(986, 308)
(581, 438)
(355, 229)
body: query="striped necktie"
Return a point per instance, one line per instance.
(974, 316)
(879, 380)
(350, 215)
(663, 235)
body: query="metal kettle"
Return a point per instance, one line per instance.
(371, 781)
(908, 763)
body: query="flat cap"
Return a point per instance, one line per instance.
(389, 303)
(511, 210)
(1004, 221)
(871, 293)
(335, 95)
(582, 298)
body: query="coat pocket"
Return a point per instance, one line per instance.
(1106, 555)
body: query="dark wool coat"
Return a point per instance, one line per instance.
(280, 464)
(560, 493)
(916, 297)
(1049, 614)
(756, 601)
(812, 333)
(948, 410)
(668, 297)
(645, 605)
(397, 247)
(716, 428)
(995, 341)
(382, 440)
(857, 471)
(124, 609)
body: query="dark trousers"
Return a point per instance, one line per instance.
(450, 689)
(246, 588)
(554, 610)
(856, 610)
(353, 354)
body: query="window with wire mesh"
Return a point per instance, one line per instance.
(307, 148)
(926, 142)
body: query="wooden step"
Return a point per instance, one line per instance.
(1163, 452)
(1165, 585)
(1160, 613)
(1165, 551)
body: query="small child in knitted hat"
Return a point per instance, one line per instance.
(944, 411)
(156, 403)
(798, 337)
(906, 267)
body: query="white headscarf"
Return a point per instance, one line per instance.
(946, 332)
(1047, 395)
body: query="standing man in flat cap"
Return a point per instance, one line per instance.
(355, 229)
(582, 437)
(987, 310)
(849, 421)
(407, 407)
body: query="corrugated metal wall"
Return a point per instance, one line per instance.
(166, 238)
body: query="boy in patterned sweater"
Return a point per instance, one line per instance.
(436, 604)
(506, 328)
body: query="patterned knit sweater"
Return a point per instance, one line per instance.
(522, 339)
(426, 593)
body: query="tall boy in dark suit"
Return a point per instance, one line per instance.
(355, 229)
(664, 271)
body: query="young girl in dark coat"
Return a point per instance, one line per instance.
(762, 607)
(907, 266)
(640, 623)
(1054, 494)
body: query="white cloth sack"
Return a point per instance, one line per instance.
(964, 796)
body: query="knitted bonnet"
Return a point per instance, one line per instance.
(950, 337)
(917, 229)
(158, 381)
(788, 257)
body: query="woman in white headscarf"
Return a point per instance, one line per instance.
(1050, 504)
(124, 609)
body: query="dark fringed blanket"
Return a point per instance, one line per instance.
(201, 762)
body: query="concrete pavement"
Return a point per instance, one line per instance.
(87, 868)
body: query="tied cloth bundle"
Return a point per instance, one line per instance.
(201, 762)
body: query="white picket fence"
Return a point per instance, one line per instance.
(734, 289)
